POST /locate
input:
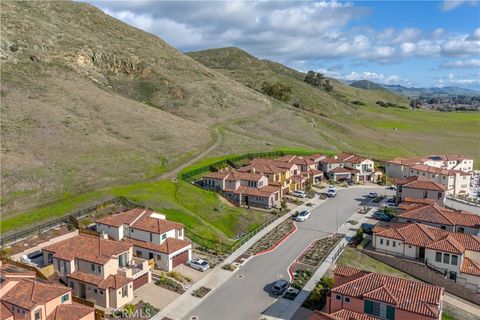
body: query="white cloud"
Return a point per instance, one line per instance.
(467, 80)
(449, 5)
(472, 63)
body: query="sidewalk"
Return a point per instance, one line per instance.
(286, 308)
(184, 304)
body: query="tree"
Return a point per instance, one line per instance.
(314, 78)
(283, 204)
(327, 86)
(277, 90)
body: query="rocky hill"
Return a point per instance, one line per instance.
(88, 101)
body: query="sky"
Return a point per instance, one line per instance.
(410, 43)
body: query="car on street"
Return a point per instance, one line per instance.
(303, 215)
(372, 195)
(199, 264)
(280, 286)
(331, 191)
(381, 216)
(299, 194)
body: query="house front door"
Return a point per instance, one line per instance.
(81, 291)
(453, 275)
(421, 253)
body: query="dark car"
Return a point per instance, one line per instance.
(280, 286)
(367, 228)
(381, 216)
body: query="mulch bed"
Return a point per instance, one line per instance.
(201, 292)
(319, 250)
(272, 238)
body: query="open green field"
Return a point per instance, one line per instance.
(202, 212)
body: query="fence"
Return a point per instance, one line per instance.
(426, 274)
(10, 239)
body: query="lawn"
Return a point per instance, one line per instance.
(201, 211)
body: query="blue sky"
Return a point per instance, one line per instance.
(412, 43)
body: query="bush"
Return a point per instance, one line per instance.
(276, 90)
(359, 235)
(229, 267)
(353, 222)
(318, 296)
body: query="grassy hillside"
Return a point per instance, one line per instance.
(88, 103)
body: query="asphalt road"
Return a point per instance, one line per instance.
(247, 294)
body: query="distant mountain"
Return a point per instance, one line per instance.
(433, 91)
(367, 85)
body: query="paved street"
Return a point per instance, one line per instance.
(247, 294)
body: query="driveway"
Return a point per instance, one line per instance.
(157, 296)
(247, 294)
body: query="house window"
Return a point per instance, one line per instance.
(65, 298)
(347, 299)
(438, 256)
(92, 267)
(461, 229)
(443, 227)
(50, 257)
(381, 241)
(380, 310)
(38, 315)
(95, 290)
(64, 266)
(388, 242)
(446, 258)
(425, 194)
(151, 237)
(440, 196)
(338, 297)
(99, 269)
(164, 236)
(138, 253)
(124, 291)
(180, 233)
(159, 257)
(454, 260)
(394, 244)
(100, 291)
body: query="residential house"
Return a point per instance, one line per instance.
(453, 171)
(420, 188)
(97, 269)
(288, 171)
(442, 218)
(308, 169)
(455, 254)
(364, 295)
(346, 166)
(316, 158)
(244, 187)
(150, 234)
(23, 297)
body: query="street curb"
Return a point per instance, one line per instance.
(279, 242)
(298, 258)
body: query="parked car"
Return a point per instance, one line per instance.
(381, 216)
(388, 205)
(372, 195)
(199, 264)
(280, 286)
(393, 187)
(25, 259)
(390, 200)
(299, 194)
(303, 215)
(331, 192)
(367, 228)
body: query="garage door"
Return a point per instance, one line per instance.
(140, 281)
(180, 259)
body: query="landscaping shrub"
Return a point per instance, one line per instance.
(169, 283)
(201, 292)
(229, 267)
(318, 296)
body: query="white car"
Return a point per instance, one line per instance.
(199, 264)
(331, 192)
(299, 194)
(302, 216)
(372, 195)
(388, 205)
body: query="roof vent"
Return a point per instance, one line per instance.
(157, 216)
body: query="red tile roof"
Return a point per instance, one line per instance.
(315, 157)
(436, 170)
(87, 247)
(440, 215)
(331, 160)
(424, 184)
(345, 314)
(470, 266)
(348, 157)
(263, 192)
(73, 311)
(424, 236)
(407, 295)
(5, 312)
(318, 315)
(275, 163)
(29, 293)
(303, 161)
(168, 246)
(141, 219)
(217, 175)
(9, 271)
(263, 168)
(112, 281)
(343, 170)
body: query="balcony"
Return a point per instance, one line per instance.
(135, 268)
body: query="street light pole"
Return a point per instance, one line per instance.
(338, 195)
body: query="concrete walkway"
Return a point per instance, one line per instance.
(286, 309)
(181, 306)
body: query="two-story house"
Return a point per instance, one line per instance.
(420, 188)
(150, 234)
(288, 170)
(442, 218)
(246, 187)
(346, 166)
(359, 294)
(455, 254)
(97, 269)
(308, 169)
(23, 297)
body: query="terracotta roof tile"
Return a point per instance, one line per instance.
(345, 314)
(318, 315)
(5, 312)
(72, 311)
(141, 219)
(449, 244)
(343, 170)
(298, 160)
(217, 175)
(470, 266)
(263, 168)
(424, 185)
(441, 215)
(29, 293)
(112, 281)
(170, 245)
(87, 247)
(412, 296)
(256, 192)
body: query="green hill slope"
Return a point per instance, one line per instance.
(89, 102)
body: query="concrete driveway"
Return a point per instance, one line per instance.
(247, 294)
(157, 296)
